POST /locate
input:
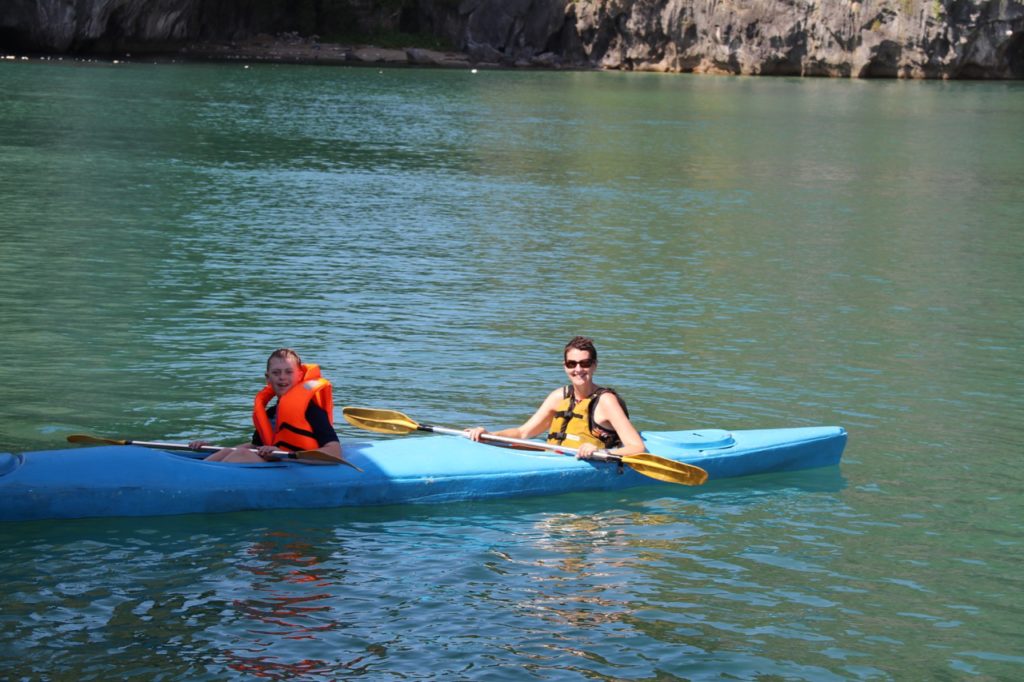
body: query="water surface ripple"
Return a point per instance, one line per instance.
(747, 252)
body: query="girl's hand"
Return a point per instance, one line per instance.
(585, 451)
(197, 444)
(267, 452)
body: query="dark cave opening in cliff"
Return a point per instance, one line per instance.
(1015, 56)
(1009, 63)
(409, 21)
(13, 40)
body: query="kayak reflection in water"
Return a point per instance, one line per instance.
(302, 418)
(581, 415)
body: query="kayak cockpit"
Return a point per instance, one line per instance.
(9, 462)
(703, 439)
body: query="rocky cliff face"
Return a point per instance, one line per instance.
(845, 38)
(860, 38)
(849, 38)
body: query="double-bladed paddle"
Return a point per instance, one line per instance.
(303, 456)
(661, 468)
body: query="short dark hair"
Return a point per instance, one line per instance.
(284, 353)
(580, 343)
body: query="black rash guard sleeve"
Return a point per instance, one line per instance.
(323, 431)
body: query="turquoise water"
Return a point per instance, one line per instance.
(746, 252)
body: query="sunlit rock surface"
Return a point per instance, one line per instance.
(869, 38)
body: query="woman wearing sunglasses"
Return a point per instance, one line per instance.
(581, 415)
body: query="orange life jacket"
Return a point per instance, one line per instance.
(292, 431)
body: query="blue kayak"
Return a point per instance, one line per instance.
(126, 480)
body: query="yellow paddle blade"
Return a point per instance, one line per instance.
(95, 440)
(379, 421)
(665, 469)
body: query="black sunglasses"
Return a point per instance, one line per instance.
(585, 364)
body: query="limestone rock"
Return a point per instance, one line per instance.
(843, 38)
(420, 57)
(377, 55)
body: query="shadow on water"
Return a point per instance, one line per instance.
(823, 480)
(318, 593)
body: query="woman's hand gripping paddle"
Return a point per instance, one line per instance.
(661, 468)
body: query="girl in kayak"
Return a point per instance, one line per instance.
(582, 415)
(301, 419)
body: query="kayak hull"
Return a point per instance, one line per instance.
(134, 481)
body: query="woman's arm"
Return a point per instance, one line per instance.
(609, 411)
(535, 425)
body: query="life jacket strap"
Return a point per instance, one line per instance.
(295, 429)
(565, 415)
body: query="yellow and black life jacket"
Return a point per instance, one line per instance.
(291, 430)
(574, 421)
